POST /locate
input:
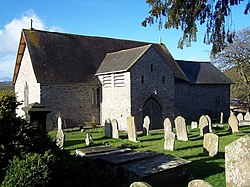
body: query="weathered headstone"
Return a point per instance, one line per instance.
(209, 123)
(194, 125)
(89, 139)
(210, 144)
(233, 123)
(240, 117)
(140, 184)
(115, 129)
(203, 125)
(169, 141)
(145, 126)
(181, 128)
(108, 128)
(237, 162)
(59, 123)
(221, 117)
(167, 126)
(199, 183)
(60, 138)
(132, 134)
(247, 116)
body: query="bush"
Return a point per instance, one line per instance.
(32, 170)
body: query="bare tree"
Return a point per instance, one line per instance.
(236, 56)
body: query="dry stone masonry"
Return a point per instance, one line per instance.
(237, 162)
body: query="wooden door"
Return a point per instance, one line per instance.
(152, 109)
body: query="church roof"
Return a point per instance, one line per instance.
(202, 73)
(70, 58)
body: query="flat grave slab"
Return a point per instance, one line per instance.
(95, 150)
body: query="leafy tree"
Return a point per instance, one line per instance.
(186, 14)
(236, 57)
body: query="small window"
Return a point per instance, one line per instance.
(163, 79)
(142, 79)
(152, 67)
(95, 100)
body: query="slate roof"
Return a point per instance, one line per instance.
(203, 73)
(121, 60)
(69, 58)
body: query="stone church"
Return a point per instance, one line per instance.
(89, 78)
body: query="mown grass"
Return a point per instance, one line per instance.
(210, 169)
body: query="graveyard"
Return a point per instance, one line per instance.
(206, 166)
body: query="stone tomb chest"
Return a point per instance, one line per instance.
(126, 166)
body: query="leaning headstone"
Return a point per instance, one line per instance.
(221, 117)
(194, 125)
(199, 183)
(167, 126)
(145, 126)
(140, 184)
(59, 123)
(203, 125)
(247, 116)
(132, 134)
(233, 123)
(89, 139)
(169, 141)
(210, 144)
(240, 117)
(60, 138)
(115, 129)
(209, 123)
(181, 128)
(108, 128)
(237, 162)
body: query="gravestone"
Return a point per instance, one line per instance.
(115, 133)
(169, 141)
(145, 127)
(167, 126)
(237, 162)
(203, 125)
(59, 123)
(108, 128)
(60, 138)
(247, 116)
(240, 117)
(210, 144)
(181, 128)
(194, 125)
(132, 134)
(221, 117)
(89, 139)
(140, 184)
(199, 183)
(233, 123)
(209, 123)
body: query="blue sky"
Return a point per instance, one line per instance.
(107, 18)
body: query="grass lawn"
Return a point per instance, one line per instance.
(210, 169)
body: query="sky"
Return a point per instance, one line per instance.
(106, 18)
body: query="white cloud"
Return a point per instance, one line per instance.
(10, 36)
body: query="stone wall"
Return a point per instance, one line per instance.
(192, 101)
(157, 83)
(116, 102)
(73, 101)
(26, 77)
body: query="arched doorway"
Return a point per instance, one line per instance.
(152, 109)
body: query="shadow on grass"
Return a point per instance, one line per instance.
(151, 139)
(189, 147)
(69, 143)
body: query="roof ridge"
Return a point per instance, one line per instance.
(81, 35)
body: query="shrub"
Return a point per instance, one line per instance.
(32, 170)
